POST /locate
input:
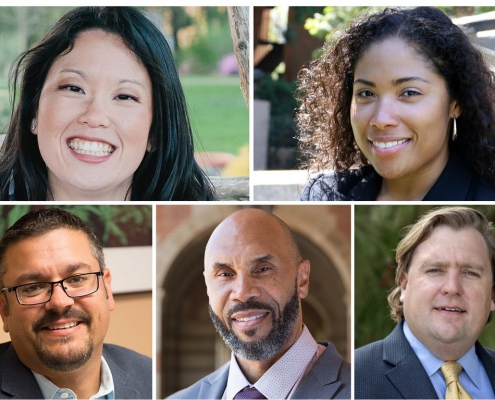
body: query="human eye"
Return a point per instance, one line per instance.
(472, 273)
(365, 94)
(125, 97)
(32, 289)
(76, 280)
(71, 88)
(411, 93)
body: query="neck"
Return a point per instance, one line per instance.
(61, 192)
(254, 370)
(84, 382)
(414, 187)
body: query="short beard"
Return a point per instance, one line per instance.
(263, 348)
(71, 357)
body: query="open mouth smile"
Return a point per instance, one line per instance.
(387, 145)
(92, 148)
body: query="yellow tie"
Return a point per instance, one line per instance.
(451, 371)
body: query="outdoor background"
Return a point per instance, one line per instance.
(202, 46)
(287, 39)
(377, 231)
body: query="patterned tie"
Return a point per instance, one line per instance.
(249, 393)
(451, 371)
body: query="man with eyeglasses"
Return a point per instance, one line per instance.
(55, 304)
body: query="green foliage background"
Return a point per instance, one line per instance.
(113, 225)
(376, 234)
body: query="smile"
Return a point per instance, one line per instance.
(91, 148)
(387, 145)
(63, 326)
(250, 318)
(458, 310)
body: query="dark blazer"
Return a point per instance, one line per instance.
(455, 183)
(131, 374)
(330, 378)
(390, 369)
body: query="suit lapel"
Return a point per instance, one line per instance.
(408, 376)
(488, 361)
(214, 386)
(18, 380)
(322, 381)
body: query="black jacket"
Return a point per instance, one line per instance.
(455, 183)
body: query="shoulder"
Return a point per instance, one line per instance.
(125, 357)
(480, 191)
(131, 372)
(368, 356)
(211, 386)
(335, 186)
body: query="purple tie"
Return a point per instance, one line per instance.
(249, 393)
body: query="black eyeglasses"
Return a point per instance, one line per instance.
(80, 285)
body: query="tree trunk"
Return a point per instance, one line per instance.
(239, 29)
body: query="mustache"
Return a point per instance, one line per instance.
(250, 305)
(51, 317)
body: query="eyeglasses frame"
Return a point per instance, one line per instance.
(14, 288)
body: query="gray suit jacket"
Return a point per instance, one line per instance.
(131, 374)
(390, 369)
(330, 378)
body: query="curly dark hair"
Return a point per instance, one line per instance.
(325, 88)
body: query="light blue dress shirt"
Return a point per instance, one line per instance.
(473, 377)
(51, 391)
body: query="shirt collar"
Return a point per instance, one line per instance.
(432, 363)
(279, 380)
(51, 391)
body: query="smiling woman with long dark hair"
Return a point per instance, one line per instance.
(101, 115)
(401, 106)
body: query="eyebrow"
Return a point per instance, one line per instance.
(396, 82)
(74, 71)
(254, 261)
(429, 264)
(130, 81)
(38, 276)
(83, 75)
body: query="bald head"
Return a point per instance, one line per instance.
(252, 224)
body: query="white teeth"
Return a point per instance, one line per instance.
(90, 147)
(386, 145)
(451, 309)
(64, 326)
(250, 318)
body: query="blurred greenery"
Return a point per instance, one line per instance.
(332, 18)
(113, 225)
(376, 234)
(218, 112)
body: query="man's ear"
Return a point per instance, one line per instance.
(403, 286)
(4, 311)
(107, 282)
(303, 271)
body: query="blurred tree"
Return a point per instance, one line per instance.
(377, 230)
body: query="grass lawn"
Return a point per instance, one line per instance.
(218, 112)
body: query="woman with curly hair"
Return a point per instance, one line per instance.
(101, 115)
(401, 107)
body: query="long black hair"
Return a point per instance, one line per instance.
(167, 172)
(325, 88)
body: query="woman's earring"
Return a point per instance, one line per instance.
(454, 131)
